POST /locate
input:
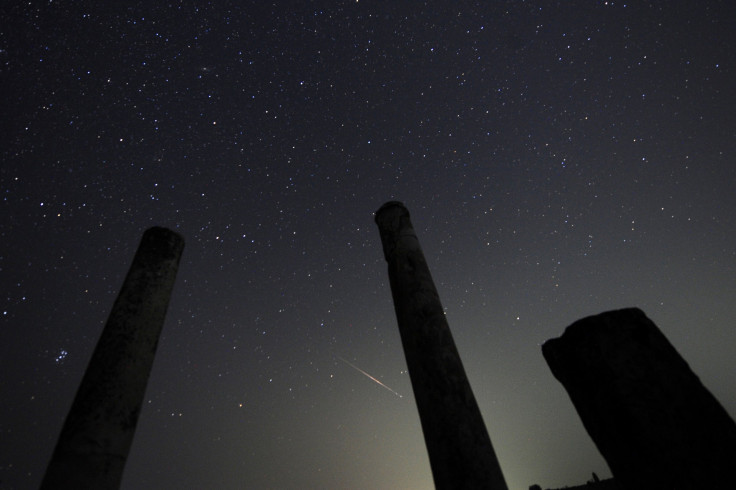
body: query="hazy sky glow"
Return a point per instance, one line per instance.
(558, 160)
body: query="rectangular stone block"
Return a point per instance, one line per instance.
(652, 419)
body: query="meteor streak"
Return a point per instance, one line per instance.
(366, 374)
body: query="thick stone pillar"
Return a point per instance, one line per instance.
(98, 431)
(460, 450)
(652, 419)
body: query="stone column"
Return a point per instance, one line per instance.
(460, 450)
(652, 419)
(98, 431)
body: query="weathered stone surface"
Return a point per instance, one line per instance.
(652, 419)
(460, 450)
(98, 431)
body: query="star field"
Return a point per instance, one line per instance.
(558, 160)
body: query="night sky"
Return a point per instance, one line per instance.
(559, 159)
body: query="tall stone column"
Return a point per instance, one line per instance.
(652, 419)
(460, 450)
(98, 431)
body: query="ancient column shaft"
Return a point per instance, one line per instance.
(460, 450)
(98, 431)
(652, 419)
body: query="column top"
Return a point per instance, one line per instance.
(162, 242)
(391, 206)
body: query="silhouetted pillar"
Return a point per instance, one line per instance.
(460, 451)
(98, 431)
(652, 419)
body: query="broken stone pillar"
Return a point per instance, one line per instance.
(98, 431)
(652, 419)
(460, 450)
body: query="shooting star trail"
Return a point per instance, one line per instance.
(366, 374)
